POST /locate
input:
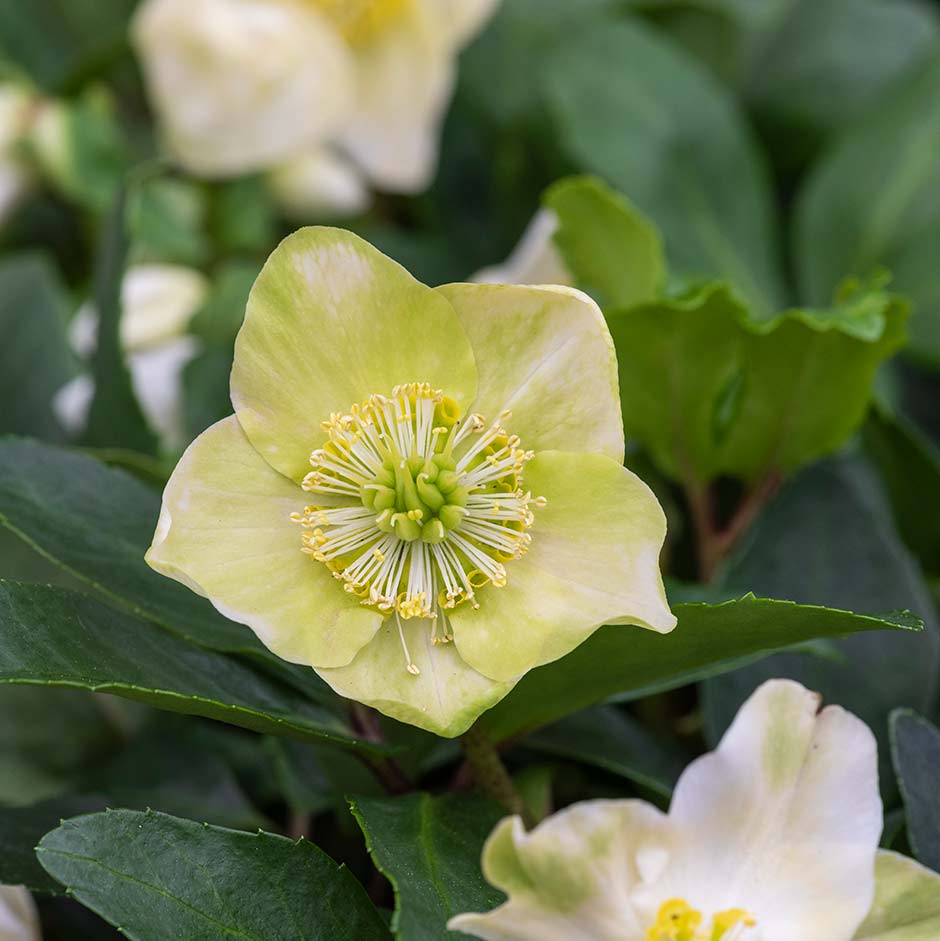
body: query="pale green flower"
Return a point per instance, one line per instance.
(19, 920)
(244, 85)
(772, 837)
(467, 516)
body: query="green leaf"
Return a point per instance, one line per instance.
(243, 216)
(161, 878)
(709, 391)
(636, 110)
(874, 199)
(220, 318)
(828, 539)
(608, 738)
(49, 740)
(53, 637)
(110, 518)
(709, 640)
(915, 752)
(614, 252)
(429, 848)
(21, 828)
(57, 42)
(37, 360)
(115, 418)
(166, 220)
(909, 464)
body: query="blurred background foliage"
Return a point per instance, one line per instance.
(747, 173)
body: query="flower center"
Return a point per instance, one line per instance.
(678, 921)
(361, 20)
(423, 507)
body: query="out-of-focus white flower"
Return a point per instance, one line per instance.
(16, 106)
(534, 260)
(243, 85)
(158, 302)
(19, 920)
(319, 183)
(772, 837)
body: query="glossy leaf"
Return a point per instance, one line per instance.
(429, 848)
(915, 750)
(709, 640)
(874, 199)
(160, 878)
(646, 117)
(53, 637)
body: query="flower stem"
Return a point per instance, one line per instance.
(489, 772)
(387, 770)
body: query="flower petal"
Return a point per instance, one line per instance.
(594, 559)
(782, 820)
(445, 698)
(19, 920)
(570, 878)
(459, 20)
(330, 321)
(318, 183)
(545, 353)
(240, 85)
(405, 76)
(907, 902)
(534, 260)
(225, 532)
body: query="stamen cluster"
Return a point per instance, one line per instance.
(421, 507)
(678, 921)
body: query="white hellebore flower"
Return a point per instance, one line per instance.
(16, 108)
(19, 920)
(158, 302)
(772, 837)
(534, 260)
(244, 85)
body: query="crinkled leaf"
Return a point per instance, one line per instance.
(161, 878)
(430, 848)
(53, 637)
(709, 640)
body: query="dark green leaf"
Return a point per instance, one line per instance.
(874, 199)
(647, 118)
(161, 879)
(615, 254)
(610, 739)
(220, 318)
(828, 539)
(115, 418)
(53, 637)
(708, 391)
(429, 848)
(709, 640)
(910, 468)
(915, 750)
(22, 828)
(243, 216)
(37, 360)
(110, 518)
(166, 219)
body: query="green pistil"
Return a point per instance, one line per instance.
(417, 498)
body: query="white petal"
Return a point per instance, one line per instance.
(157, 378)
(534, 260)
(158, 302)
(782, 820)
(240, 85)
(459, 20)
(570, 879)
(318, 184)
(19, 920)
(72, 402)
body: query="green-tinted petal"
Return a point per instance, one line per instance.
(445, 698)
(330, 321)
(545, 353)
(907, 902)
(570, 879)
(594, 559)
(225, 531)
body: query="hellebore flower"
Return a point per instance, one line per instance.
(534, 260)
(421, 492)
(243, 85)
(19, 920)
(772, 837)
(158, 301)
